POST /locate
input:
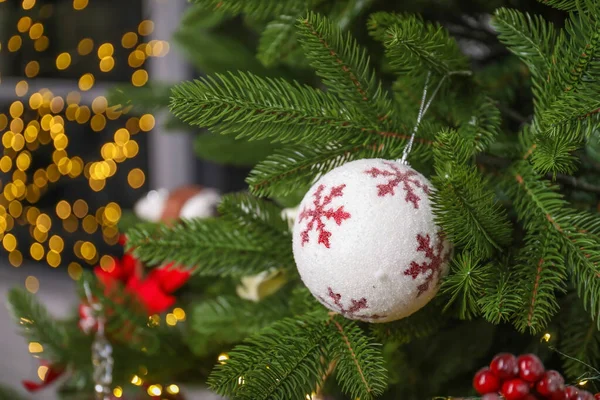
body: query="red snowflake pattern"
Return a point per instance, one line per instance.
(316, 215)
(355, 306)
(396, 177)
(433, 266)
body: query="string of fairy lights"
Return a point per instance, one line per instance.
(41, 118)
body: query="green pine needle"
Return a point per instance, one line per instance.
(540, 274)
(277, 40)
(211, 247)
(37, 325)
(359, 363)
(465, 283)
(413, 46)
(258, 9)
(500, 302)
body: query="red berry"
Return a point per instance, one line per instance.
(597, 396)
(490, 396)
(550, 383)
(504, 366)
(530, 397)
(531, 368)
(585, 395)
(485, 381)
(515, 389)
(571, 393)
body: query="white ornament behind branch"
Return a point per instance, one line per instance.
(184, 202)
(365, 241)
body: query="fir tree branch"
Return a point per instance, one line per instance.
(211, 247)
(360, 366)
(540, 273)
(278, 38)
(500, 302)
(258, 9)
(280, 361)
(566, 5)
(414, 46)
(223, 149)
(465, 283)
(257, 108)
(463, 204)
(37, 325)
(253, 214)
(344, 68)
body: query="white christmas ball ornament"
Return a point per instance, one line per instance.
(365, 241)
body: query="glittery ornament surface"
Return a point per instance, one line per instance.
(365, 241)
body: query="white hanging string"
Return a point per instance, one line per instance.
(425, 104)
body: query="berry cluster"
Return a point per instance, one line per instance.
(524, 378)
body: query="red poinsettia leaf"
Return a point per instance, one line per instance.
(170, 277)
(150, 294)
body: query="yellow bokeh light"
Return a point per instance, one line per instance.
(32, 214)
(32, 69)
(24, 24)
(129, 40)
(65, 166)
(99, 104)
(5, 164)
(133, 125)
(88, 250)
(36, 31)
(171, 320)
(21, 88)
(75, 271)
(42, 371)
(172, 389)
(107, 64)
(56, 243)
(86, 82)
(136, 380)
(35, 347)
(85, 46)
(28, 4)
(15, 258)
(42, 43)
(131, 149)
(9, 242)
(117, 392)
(121, 136)
(15, 208)
(63, 209)
(43, 222)
(223, 357)
(63, 61)
(136, 178)
(35, 101)
(53, 258)
(105, 50)
(61, 141)
(39, 235)
(16, 125)
(179, 313)
(136, 58)
(83, 114)
(147, 122)
(46, 121)
(14, 43)
(57, 104)
(31, 134)
(98, 122)
(32, 284)
(139, 77)
(37, 251)
(97, 184)
(113, 112)
(146, 27)
(80, 4)
(112, 213)
(71, 112)
(89, 224)
(107, 263)
(23, 161)
(3, 121)
(108, 151)
(53, 173)
(16, 109)
(80, 208)
(18, 141)
(70, 224)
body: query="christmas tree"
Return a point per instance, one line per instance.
(443, 159)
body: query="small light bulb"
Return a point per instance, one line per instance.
(546, 337)
(223, 357)
(583, 382)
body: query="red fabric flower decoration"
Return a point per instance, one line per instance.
(53, 373)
